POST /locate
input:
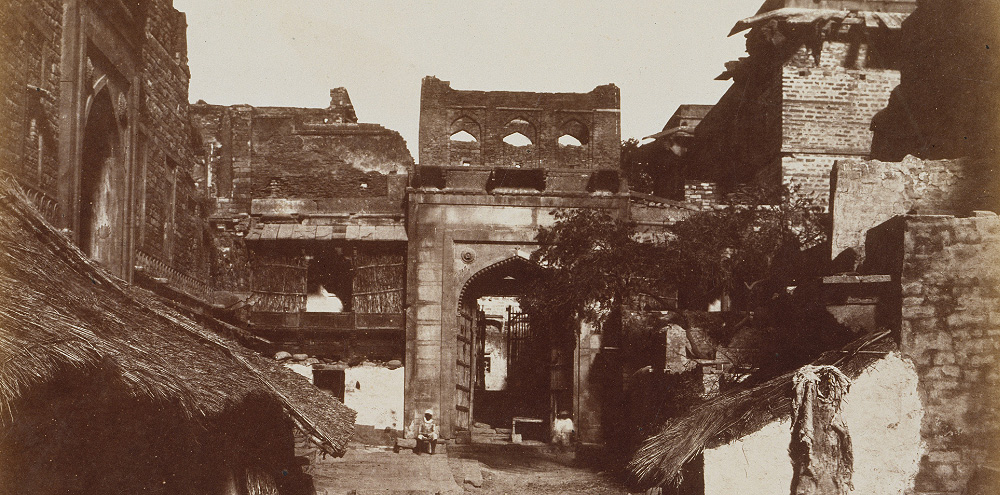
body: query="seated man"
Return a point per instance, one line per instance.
(562, 431)
(427, 434)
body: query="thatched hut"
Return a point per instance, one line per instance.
(106, 389)
(740, 439)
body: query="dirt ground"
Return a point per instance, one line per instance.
(529, 469)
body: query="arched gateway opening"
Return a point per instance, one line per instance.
(509, 365)
(102, 174)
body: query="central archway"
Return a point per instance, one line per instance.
(507, 367)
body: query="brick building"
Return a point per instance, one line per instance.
(804, 97)
(96, 129)
(493, 167)
(919, 238)
(308, 226)
(664, 163)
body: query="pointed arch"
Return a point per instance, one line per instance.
(467, 125)
(517, 139)
(523, 126)
(518, 267)
(463, 137)
(575, 129)
(568, 140)
(102, 179)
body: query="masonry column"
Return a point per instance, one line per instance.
(423, 332)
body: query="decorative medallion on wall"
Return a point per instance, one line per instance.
(468, 256)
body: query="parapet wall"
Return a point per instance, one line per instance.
(467, 128)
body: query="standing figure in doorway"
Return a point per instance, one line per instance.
(427, 434)
(562, 431)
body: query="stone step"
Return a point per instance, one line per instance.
(472, 473)
(375, 491)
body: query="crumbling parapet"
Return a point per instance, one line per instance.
(557, 130)
(947, 187)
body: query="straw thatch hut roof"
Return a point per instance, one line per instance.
(738, 413)
(62, 315)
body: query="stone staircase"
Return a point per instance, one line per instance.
(484, 433)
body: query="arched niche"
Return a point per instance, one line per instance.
(103, 194)
(576, 130)
(464, 142)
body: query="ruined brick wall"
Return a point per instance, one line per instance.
(209, 124)
(867, 193)
(701, 195)
(30, 39)
(298, 153)
(827, 109)
(490, 116)
(317, 166)
(951, 330)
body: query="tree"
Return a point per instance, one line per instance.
(593, 262)
(749, 248)
(636, 166)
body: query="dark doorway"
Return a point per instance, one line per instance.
(102, 179)
(508, 368)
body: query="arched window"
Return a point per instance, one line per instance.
(463, 137)
(519, 132)
(465, 130)
(577, 131)
(567, 140)
(517, 139)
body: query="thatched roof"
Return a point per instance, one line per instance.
(739, 413)
(62, 313)
(792, 15)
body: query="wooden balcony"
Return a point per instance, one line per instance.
(329, 322)
(380, 336)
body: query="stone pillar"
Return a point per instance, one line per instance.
(424, 321)
(950, 328)
(587, 409)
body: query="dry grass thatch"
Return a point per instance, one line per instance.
(738, 413)
(62, 313)
(379, 278)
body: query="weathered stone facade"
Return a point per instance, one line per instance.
(306, 197)
(488, 117)
(30, 34)
(473, 212)
(96, 130)
(867, 193)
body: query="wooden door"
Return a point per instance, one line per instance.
(465, 361)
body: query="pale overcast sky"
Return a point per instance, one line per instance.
(661, 53)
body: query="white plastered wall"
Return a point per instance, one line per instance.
(883, 414)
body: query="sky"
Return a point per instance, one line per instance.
(660, 53)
